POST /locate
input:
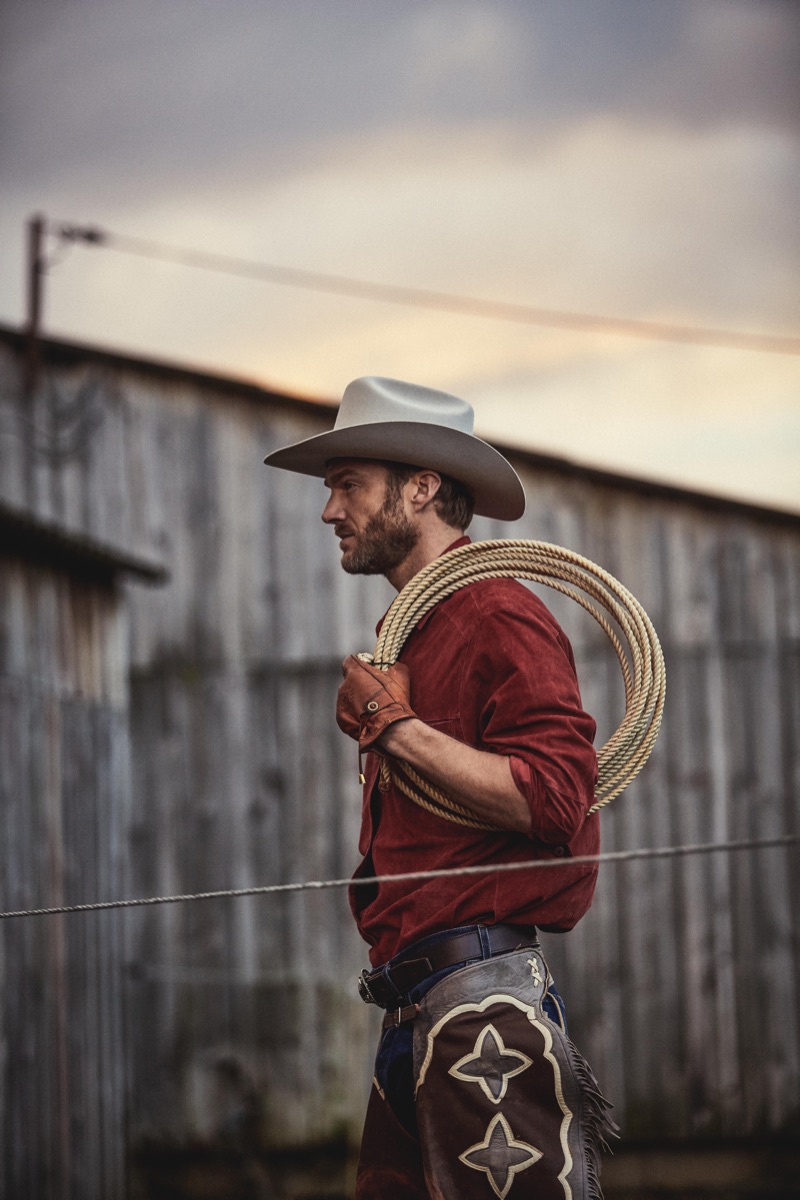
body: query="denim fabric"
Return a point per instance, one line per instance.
(394, 1062)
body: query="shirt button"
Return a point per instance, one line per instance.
(559, 851)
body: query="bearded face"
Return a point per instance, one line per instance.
(387, 538)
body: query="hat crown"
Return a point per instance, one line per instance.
(388, 420)
(373, 399)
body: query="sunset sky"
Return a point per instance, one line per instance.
(627, 158)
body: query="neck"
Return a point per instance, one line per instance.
(432, 543)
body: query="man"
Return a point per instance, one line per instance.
(478, 1091)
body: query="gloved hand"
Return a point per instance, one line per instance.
(370, 700)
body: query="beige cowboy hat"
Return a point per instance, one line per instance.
(392, 421)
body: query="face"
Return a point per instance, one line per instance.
(368, 517)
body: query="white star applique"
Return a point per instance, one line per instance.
(490, 1065)
(501, 1156)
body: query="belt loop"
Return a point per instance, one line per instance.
(387, 979)
(485, 940)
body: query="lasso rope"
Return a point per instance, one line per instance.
(625, 753)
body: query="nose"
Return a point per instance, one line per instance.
(332, 512)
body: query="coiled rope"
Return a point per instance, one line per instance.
(626, 752)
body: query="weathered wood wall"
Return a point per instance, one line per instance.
(681, 983)
(63, 798)
(684, 977)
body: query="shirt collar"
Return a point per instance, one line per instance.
(464, 540)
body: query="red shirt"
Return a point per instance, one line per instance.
(490, 666)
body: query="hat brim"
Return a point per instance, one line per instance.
(494, 484)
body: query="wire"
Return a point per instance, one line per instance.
(614, 856)
(344, 285)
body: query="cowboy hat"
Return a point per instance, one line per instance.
(392, 421)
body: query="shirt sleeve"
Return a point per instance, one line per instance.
(523, 692)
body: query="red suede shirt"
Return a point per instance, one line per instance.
(490, 667)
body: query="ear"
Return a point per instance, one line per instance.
(422, 487)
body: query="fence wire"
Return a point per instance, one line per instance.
(308, 885)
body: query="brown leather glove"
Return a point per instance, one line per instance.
(370, 699)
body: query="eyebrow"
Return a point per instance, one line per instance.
(336, 474)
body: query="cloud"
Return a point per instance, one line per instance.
(619, 157)
(617, 219)
(712, 420)
(609, 218)
(101, 91)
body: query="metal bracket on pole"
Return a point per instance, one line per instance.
(35, 270)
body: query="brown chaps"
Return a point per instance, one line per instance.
(505, 1105)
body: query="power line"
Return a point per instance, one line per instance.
(614, 856)
(342, 285)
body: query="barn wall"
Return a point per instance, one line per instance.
(246, 780)
(683, 978)
(63, 799)
(681, 982)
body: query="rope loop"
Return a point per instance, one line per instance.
(636, 646)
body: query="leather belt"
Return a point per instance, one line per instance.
(399, 1016)
(387, 985)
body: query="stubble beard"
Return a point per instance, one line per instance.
(387, 540)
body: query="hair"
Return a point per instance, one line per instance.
(453, 503)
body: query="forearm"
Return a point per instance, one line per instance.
(475, 778)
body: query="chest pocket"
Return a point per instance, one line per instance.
(449, 725)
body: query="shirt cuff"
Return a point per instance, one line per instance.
(555, 817)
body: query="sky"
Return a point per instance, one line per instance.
(627, 158)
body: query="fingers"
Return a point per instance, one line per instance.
(370, 699)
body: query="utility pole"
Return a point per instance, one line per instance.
(35, 271)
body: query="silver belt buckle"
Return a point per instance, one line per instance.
(363, 988)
